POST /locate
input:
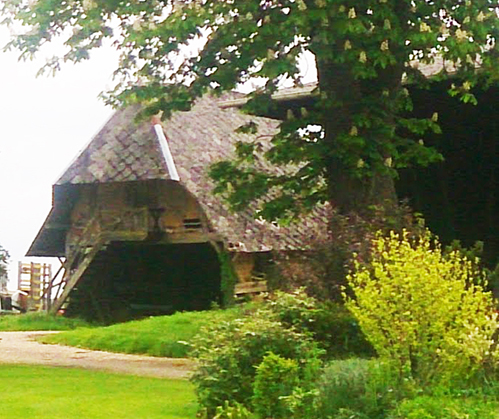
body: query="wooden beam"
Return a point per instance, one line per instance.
(58, 226)
(291, 93)
(190, 237)
(47, 292)
(250, 287)
(51, 283)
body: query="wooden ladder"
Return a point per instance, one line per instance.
(71, 277)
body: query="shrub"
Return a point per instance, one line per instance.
(427, 407)
(423, 310)
(331, 325)
(276, 378)
(338, 332)
(322, 270)
(302, 402)
(232, 411)
(294, 308)
(357, 388)
(229, 353)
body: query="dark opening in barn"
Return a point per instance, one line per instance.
(130, 280)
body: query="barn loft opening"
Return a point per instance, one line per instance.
(133, 280)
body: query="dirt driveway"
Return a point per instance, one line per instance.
(21, 348)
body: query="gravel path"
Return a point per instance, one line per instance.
(21, 348)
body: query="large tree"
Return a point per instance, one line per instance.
(349, 143)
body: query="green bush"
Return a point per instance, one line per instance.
(294, 308)
(428, 407)
(276, 378)
(331, 325)
(424, 310)
(358, 388)
(338, 332)
(228, 354)
(232, 411)
(302, 402)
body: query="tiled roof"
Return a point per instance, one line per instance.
(122, 151)
(126, 151)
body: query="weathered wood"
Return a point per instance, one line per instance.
(244, 264)
(124, 221)
(24, 276)
(50, 285)
(33, 279)
(107, 226)
(57, 226)
(190, 237)
(126, 215)
(250, 287)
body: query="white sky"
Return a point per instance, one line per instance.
(44, 123)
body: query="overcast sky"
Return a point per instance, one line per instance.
(44, 122)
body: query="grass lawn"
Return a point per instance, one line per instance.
(38, 321)
(60, 393)
(156, 336)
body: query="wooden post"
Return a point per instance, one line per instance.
(47, 292)
(19, 273)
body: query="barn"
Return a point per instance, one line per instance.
(138, 229)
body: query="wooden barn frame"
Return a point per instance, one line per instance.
(136, 225)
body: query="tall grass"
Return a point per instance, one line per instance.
(57, 393)
(38, 321)
(167, 336)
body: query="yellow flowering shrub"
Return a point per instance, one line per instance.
(423, 310)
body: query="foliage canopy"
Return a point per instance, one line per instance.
(345, 145)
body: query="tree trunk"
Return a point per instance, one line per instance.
(347, 192)
(352, 195)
